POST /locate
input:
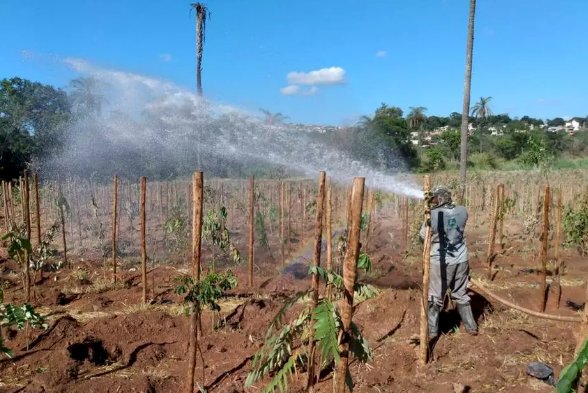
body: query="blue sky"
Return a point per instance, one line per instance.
(528, 54)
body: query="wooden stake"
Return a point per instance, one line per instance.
(197, 202)
(405, 224)
(316, 262)
(251, 228)
(27, 219)
(349, 277)
(114, 225)
(545, 247)
(193, 348)
(492, 235)
(329, 235)
(11, 202)
(558, 240)
(282, 223)
(370, 209)
(37, 208)
(501, 216)
(143, 235)
(288, 227)
(424, 323)
(303, 211)
(6, 211)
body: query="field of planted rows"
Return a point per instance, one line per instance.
(107, 286)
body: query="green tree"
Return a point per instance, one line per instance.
(558, 121)
(451, 140)
(390, 136)
(33, 123)
(531, 121)
(433, 122)
(434, 159)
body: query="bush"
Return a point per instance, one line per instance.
(575, 223)
(434, 160)
(483, 161)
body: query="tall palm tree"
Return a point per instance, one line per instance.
(416, 118)
(202, 14)
(467, 87)
(273, 118)
(481, 109)
(86, 96)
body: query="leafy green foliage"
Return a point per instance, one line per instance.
(32, 124)
(575, 224)
(434, 160)
(176, 229)
(43, 254)
(363, 222)
(214, 230)
(285, 348)
(18, 244)
(569, 375)
(536, 154)
(19, 317)
(260, 229)
(327, 325)
(208, 291)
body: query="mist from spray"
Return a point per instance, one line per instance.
(155, 128)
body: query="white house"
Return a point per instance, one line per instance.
(574, 124)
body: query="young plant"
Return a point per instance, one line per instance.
(284, 352)
(176, 230)
(43, 254)
(198, 294)
(97, 227)
(19, 247)
(20, 317)
(215, 231)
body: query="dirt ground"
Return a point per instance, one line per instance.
(101, 339)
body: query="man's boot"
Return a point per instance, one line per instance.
(433, 316)
(467, 318)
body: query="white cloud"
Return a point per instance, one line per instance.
(381, 53)
(165, 57)
(324, 76)
(295, 90)
(290, 90)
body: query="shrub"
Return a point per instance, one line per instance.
(575, 223)
(434, 160)
(483, 161)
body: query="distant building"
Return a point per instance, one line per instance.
(574, 124)
(555, 128)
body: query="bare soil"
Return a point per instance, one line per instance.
(101, 339)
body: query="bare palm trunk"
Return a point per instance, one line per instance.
(199, 47)
(466, 101)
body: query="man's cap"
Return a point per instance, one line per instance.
(443, 195)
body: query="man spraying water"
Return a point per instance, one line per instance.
(449, 261)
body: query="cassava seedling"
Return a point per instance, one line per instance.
(285, 351)
(214, 230)
(200, 294)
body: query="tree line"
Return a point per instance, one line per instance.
(35, 123)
